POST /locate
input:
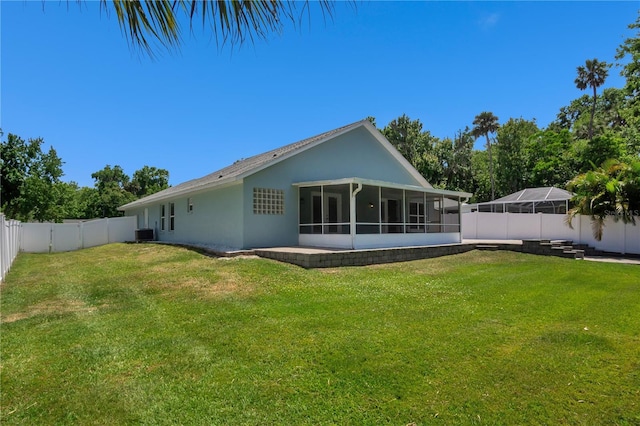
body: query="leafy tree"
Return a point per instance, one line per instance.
(454, 157)
(484, 124)
(631, 71)
(111, 184)
(150, 22)
(481, 177)
(148, 180)
(16, 156)
(29, 178)
(569, 116)
(601, 148)
(593, 75)
(408, 138)
(610, 114)
(512, 140)
(87, 202)
(551, 159)
(611, 190)
(372, 120)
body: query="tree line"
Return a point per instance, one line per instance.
(31, 188)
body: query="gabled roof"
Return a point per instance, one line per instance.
(248, 166)
(549, 193)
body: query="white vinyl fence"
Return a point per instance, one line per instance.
(54, 237)
(9, 243)
(618, 237)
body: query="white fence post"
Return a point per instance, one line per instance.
(10, 238)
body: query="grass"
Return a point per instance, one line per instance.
(150, 334)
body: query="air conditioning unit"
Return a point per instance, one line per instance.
(144, 235)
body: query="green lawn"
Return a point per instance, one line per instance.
(151, 334)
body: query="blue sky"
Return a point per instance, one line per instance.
(69, 76)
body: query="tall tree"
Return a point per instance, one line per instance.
(609, 114)
(408, 138)
(512, 140)
(148, 180)
(551, 159)
(481, 180)
(484, 124)
(454, 156)
(631, 72)
(593, 75)
(29, 178)
(112, 184)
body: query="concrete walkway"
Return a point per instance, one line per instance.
(626, 260)
(513, 242)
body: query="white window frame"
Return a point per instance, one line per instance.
(172, 217)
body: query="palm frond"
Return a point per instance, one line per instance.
(147, 23)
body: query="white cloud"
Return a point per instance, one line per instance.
(489, 21)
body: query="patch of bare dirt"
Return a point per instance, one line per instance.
(206, 282)
(50, 307)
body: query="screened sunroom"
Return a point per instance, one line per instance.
(548, 200)
(360, 213)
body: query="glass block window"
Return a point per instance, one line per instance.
(268, 201)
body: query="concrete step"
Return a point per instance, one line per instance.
(562, 248)
(562, 242)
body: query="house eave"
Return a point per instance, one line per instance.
(372, 182)
(153, 199)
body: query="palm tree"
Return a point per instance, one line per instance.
(611, 190)
(593, 75)
(231, 21)
(483, 124)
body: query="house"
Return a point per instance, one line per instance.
(346, 188)
(530, 200)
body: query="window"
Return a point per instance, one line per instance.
(268, 201)
(391, 210)
(172, 216)
(163, 214)
(189, 205)
(415, 211)
(434, 213)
